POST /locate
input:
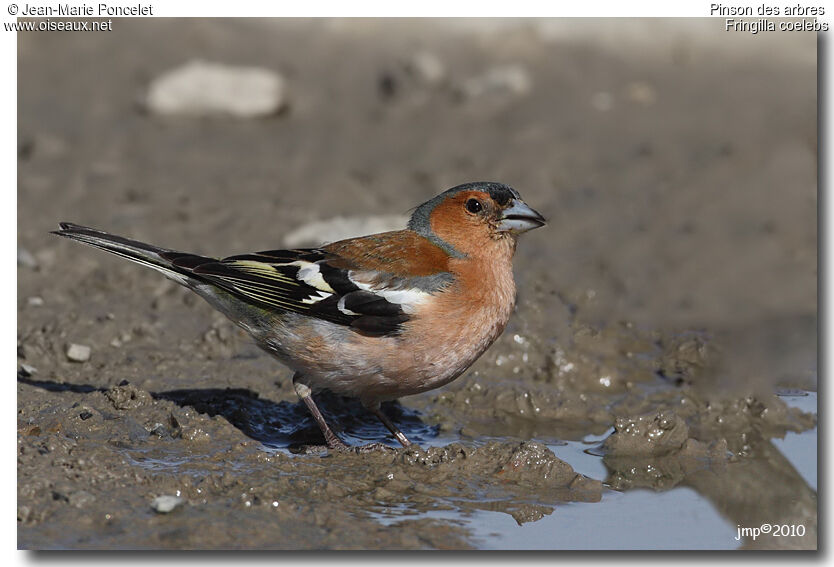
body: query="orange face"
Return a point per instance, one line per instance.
(474, 219)
(468, 221)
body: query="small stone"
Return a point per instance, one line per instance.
(201, 88)
(121, 339)
(81, 498)
(512, 79)
(426, 67)
(27, 370)
(35, 301)
(24, 514)
(160, 431)
(26, 259)
(165, 503)
(78, 353)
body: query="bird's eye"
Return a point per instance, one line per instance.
(474, 206)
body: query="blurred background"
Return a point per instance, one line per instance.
(676, 163)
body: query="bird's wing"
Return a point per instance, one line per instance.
(371, 284)
(392, 274)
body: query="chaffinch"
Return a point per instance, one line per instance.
(375, 317)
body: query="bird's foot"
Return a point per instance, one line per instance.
(372, 447)
(333, 444)
(342, 448)
(308, 449)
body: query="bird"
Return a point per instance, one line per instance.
(375, 317)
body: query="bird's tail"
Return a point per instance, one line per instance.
(160, 259)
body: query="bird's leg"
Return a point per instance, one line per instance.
(377, 411)
(304, 392)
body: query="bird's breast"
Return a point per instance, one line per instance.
(436, 345)
(450, 333)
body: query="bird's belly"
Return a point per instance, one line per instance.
(402, 371)
(336, 358)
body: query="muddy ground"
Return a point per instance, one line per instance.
(672, 295)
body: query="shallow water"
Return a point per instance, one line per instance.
(680, 518)
(640, 519)
(801, 449)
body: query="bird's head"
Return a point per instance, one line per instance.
(466, 219)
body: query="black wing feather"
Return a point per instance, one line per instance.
(272, 280)
(337, 278)
(377, 326)
(368, 303)
(259, 279)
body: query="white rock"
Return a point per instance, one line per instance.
(35, 301)
(201, 88)
(339, 228)
(165, 503)
(78, 353)
(28, 370)
(25, 258)
(427, 67)
(513, 79)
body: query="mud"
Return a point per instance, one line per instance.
(669, 301)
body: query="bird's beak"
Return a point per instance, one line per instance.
(519, 217)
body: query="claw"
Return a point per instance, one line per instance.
(373, 447)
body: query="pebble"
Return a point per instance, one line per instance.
(26, 259)
(166, 503)
(35, 301)
(81, 498)
(24, 514)
(426, 67)
(78, 353)
(121, 339)
(201, 88)
(512, 79)
(28, 370)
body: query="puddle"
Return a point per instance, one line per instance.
(801, 449)
(680, 518)
(638, 519)
(575, 453)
